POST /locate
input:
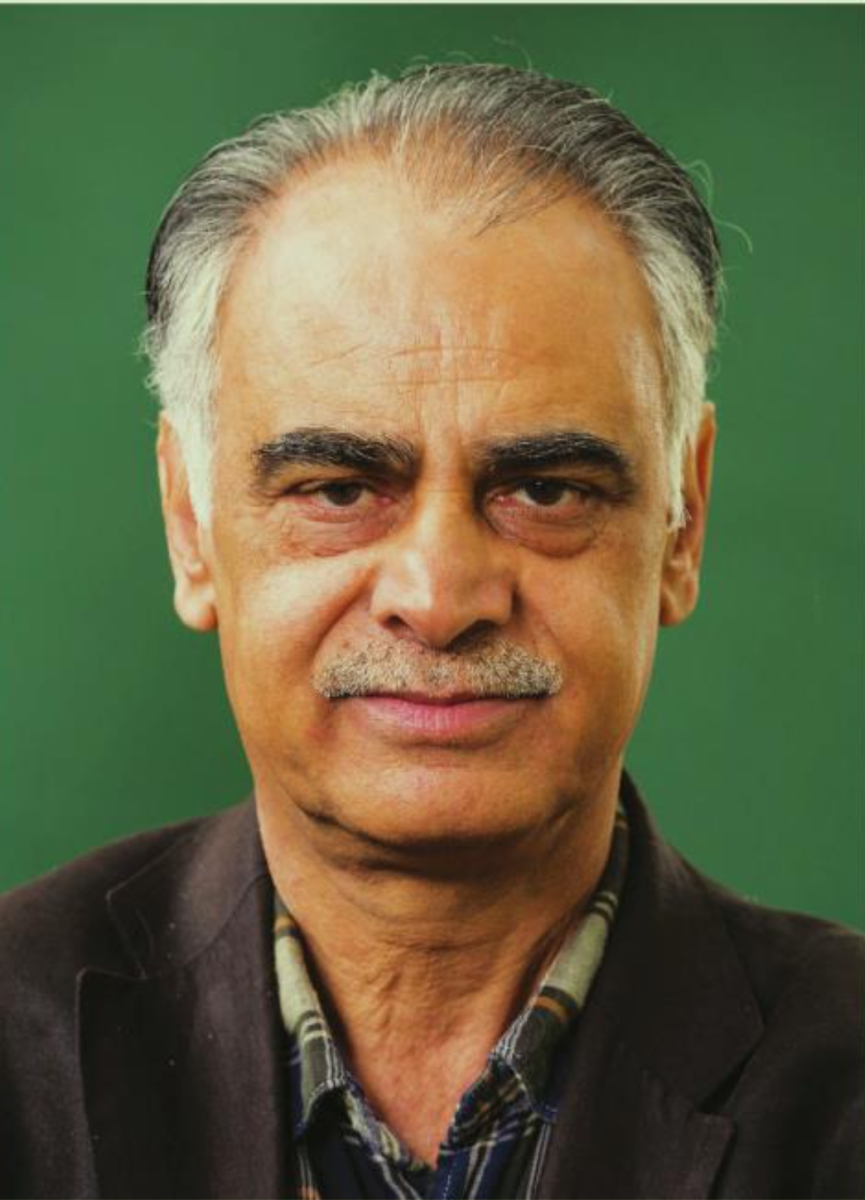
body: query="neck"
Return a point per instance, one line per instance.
(423, 959)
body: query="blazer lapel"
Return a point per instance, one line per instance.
(182, 1060)
(670, 1018)
(629, 1135)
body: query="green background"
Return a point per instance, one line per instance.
(113, 717)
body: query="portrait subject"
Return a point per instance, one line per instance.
(435, 463)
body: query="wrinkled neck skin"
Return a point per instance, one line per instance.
(423, 956)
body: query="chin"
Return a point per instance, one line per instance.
(427, 808)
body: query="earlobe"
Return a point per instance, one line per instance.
(194, 597)
(680, 580)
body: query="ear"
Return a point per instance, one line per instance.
(680, 580)
(194, 597)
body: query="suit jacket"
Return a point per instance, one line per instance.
(141, 1051)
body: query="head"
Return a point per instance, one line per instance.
(435, 454)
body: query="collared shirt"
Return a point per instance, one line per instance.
(497, 1140)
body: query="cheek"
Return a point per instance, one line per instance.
(605, 622)
(271, 623)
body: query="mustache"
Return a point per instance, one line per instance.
(501, 669)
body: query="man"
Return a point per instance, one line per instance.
(435, 463)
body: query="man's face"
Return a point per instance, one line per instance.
(440, 461)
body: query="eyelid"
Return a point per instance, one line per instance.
(317, 485)
(581, 486)
(307, 487)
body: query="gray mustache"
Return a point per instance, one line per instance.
(498, 669)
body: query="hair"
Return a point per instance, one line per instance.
(493, 142)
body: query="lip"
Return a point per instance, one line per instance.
(460, 717)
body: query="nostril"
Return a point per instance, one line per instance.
(478, 635)
(473, 638)
(397, 625)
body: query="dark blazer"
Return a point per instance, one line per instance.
(141, 1052)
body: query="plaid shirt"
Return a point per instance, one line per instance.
(498, 1137)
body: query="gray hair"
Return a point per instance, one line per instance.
(494, 141)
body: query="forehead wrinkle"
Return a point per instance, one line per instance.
(454, 365)
(421, 348)
(459, 348)
(412, 369)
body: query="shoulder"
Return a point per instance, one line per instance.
(804, 976)
(52, 927)
(784, 960)
(796, 964)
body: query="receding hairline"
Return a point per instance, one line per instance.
(360, 164)
(465, 211)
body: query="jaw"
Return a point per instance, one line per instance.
(423, 801)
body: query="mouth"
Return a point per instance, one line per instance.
(455, 717)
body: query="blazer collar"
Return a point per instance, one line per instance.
(182, 1053)
(670, 1018)
(173, 908)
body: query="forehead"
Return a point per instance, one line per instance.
(354, 291)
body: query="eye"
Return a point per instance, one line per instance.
(332, 493)
(339, 501)
(340, 495)
(548, 512)
(555, 496)
(546, 492)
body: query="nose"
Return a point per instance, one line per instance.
(443, 577)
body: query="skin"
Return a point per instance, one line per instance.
(404, 858)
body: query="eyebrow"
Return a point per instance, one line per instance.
(558, 448)
(326, 447)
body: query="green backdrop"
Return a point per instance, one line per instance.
(113, 718)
